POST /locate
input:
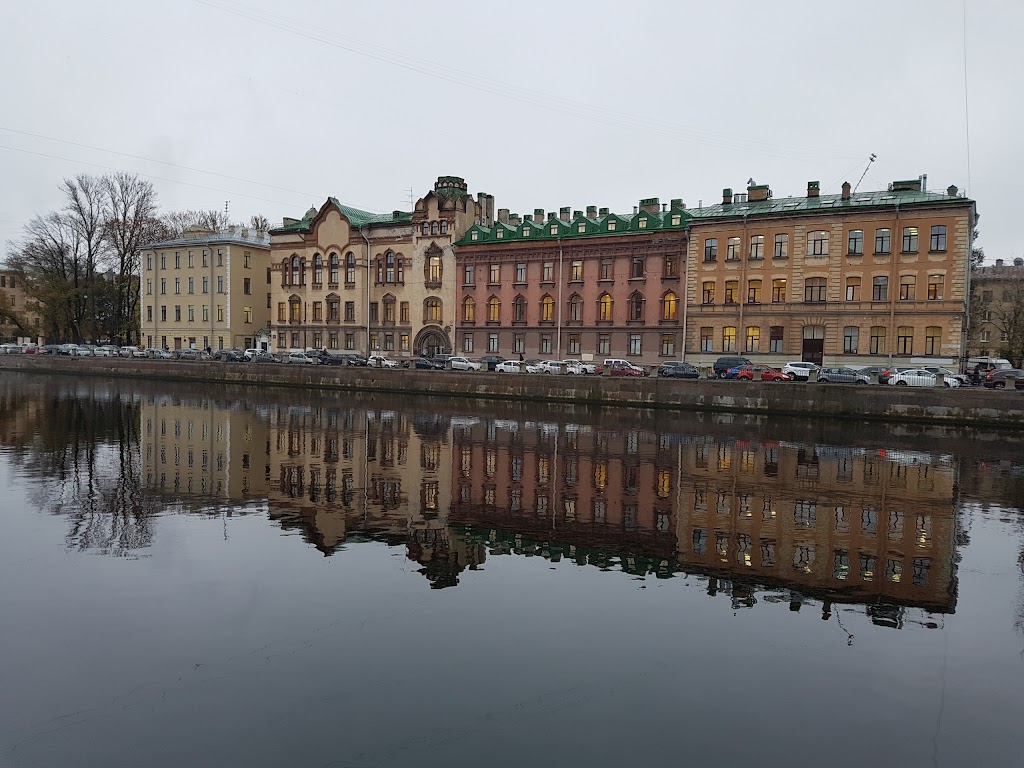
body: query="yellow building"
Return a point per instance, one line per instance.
(351, 280)
(19, 315)
(206, 289)
(860, 278)
(997, 311)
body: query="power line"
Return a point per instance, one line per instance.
(510, 91)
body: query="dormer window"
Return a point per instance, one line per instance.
(677, 220)
(554, 229)
(611, 225)
(472, 235)
(500, 234)
(581, 228)
(642, 224)
(526, 231)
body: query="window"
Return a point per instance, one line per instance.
(604, 307)
(611, 225)
(904, 340)
(149, 314)
(708, 294)
(350, 311)
(985, 295)
(853, 289)
(545, 344)
(191, 285)
(206, 313)
(877, 344)
(318, 270)
(635, 344)
(163, 261)
(549, 272)
(519, 343)
(574, 343)
(668, 344)
(374, 312)
(851, 337)
(707, 339)
(669, 306)
(177, 313)
(753, 339)
(910, 240)
(711, 249)
(782, 246)
(220, 257)
(775, 334)
(935, 287)
(433, 310)
(220, 284)
(492, 342)
(636, 307)
(391, 271)
(880, 289)
(435, 269)
(732, 288)
(149, 261)
(779, 290)
(520, 273)
(403, 312)
(607, 269)
(493, 310)
(729, 339)
(576, 271)
(882, 241)
(149, 285)
(855, 242)
(177, 285)
(732, 249)
(669, 266)
(163, 285)
(932, 340)
(907, 286)
(604, 343)
(389, 310)
(817, 243)
(467, 342)
(206, 285)
(554, 229)
(938, 238)
(547, 309)
(581, 228)
(494, 274)
(757, 246)
(637, 267)
(350, 269)
(163, 314)
(270, 274)
(294, 311)
(753, 292)
(246, 286)
(332, 276)
(333, 314)
(575, 308)
(468, 309)
(177, 260)
(246, 314)
(519, 310)
(467, 274)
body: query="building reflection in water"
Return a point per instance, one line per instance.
(753, 519)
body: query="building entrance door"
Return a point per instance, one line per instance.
(813, 350)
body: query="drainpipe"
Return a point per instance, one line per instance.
(363, 232)
(893, 284)
(558, 306)
(686, 294)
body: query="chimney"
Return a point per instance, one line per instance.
(999, 262)
(538, 215)
(514, 219)
(563, 213)
(591, 211)
(952, 190)
(758, 192)
(635, 209)
(846, 190)
(602, 212)
(677, 204)
(813, 188)
(664, 207)
(650, 205)
(727, 196)
(577, 214)
(907, 185)
(503, 215)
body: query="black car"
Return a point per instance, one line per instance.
(425, 363)
(491, 361)
(678, 370)
(326, 358)
(229, 356)
(723, 364)
(355, 359)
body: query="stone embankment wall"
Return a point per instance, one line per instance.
(882, 402)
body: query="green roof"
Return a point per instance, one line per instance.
(356, 217)
(594, 226)
(822, 204)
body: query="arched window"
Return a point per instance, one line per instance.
(333, 276)
(444, 227)
(389, 308)
(434, 228)
(389, 268)
(519, 310)
(468, 309)
(296, 273)
(604, 307)
(318, 269)
(493, 309)
(425, 229)
(294, 309)
(576, 308)
(547, 308)
(669, 306)
(432, 310)
(434, 269)
(636, 307)
(350, 268)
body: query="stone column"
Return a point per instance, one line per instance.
(940, 379)
(1011, 382)
(812, 376)
(874, 377)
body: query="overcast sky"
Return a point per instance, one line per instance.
(540, 104)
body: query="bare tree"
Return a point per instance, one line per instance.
(177, 222)
(87, 213)
(1008, 319)
(259, 222)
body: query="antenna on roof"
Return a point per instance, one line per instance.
(226, 204)
(410, 197)
(871, 159)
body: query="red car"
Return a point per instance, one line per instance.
(746, 373)
(626, 370)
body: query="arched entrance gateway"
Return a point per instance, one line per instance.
(432, 340)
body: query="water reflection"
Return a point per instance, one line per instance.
(746, 509)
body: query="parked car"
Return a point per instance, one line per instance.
(590, 369)
(618, 362)
(10, 349)
(626, 368)
(106, 350)
(746, 373)
(723, 364)
(229, 356)
(427, 364)
(996, 378)
(380, 361)
(263, 356)
(51, 349)
(83, 351)
(555, 366)
(964, 380)
(326, 358)
(918, 377)
(491, 361)
(464, 364)
(298, 358)
(355, 359)
(800, 370)
(843, 376)
(442, 359)
(159, 354)
(187, 353)
(131, 352)
(677, 369)
(517, 366)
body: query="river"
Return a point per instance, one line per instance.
(267, 577)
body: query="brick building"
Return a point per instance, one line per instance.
(997, 311)
(19, 314)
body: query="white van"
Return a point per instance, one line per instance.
(988, 364)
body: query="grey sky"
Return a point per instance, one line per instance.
(541, 104)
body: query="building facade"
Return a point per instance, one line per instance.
(353, 281)
(572, 284)
(19, 315)
(997, 311)
(206, 290)
(837, 279)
